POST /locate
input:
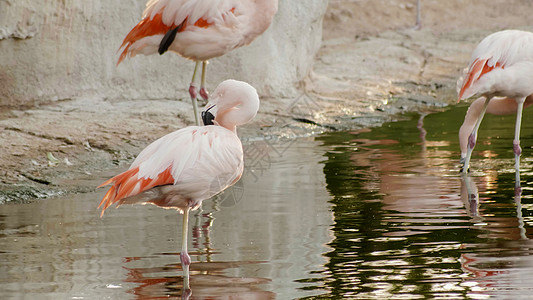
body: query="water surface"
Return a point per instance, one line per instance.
(371, 214)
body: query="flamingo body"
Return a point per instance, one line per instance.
(180, 169)
(198, 30)
(208, 28)
(501, 66)
(187, 166)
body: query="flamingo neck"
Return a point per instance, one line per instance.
(235, 117)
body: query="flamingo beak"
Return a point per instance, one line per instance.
(208, 117)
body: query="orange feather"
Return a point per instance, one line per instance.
(124, 185)
(147, 27)
(478, 66)
(155, 26)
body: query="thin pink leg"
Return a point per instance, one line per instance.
(193, 92)
(204, 94)
(516, 142)
(184, 256)
(418, 24)
(203, 91)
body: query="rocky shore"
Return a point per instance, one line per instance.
(372, 67)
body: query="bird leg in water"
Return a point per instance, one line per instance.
(184, 256)
(516, 142)
(193, 92)
(473, 136)
(516, 147)
(203, 91)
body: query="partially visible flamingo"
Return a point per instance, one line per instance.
(418, 23)
(198, 30)
(187, 166)
(501, 66)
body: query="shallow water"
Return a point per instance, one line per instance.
(379, 213)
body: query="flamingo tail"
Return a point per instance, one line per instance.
(155, 26)
(129, 183)
(147, 27)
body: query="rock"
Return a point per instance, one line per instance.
(57, 50)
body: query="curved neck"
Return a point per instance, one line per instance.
(234, 103)
(236, 116)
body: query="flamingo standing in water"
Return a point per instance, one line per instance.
(187, 166)
(501, 66)
(198, 30)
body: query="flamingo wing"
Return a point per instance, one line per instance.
(175, 12)
(477, 69)
(162, 16)
(495, 53)
(197, 162)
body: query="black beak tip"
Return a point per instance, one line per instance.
(207, 118)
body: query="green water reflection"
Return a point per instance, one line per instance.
(406, 226)
(370, 214)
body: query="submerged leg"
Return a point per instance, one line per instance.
(184, 256)
(203, 91)
(473, 136)
(516, 142)
(193, 92)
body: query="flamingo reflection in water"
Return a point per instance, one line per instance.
(190, 165)
(504, 261)
(471, 200)
(159, 282)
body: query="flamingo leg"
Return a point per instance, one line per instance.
(473, 137)
(184, 256)
(516, 142)
(203, 91)
(418, 24)
(193, 92)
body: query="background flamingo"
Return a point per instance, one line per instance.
(187, 166)
(198, 30)
(418, 23)
(501, 65)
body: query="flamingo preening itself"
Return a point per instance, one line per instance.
(187, 166)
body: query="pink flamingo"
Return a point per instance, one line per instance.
(187, 166)
(198, 30)
(501, 66)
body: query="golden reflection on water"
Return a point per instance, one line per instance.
(372, 214)
(419, 219)
(270, 232)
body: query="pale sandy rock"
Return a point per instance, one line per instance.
(371, 66)
(56, 50)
